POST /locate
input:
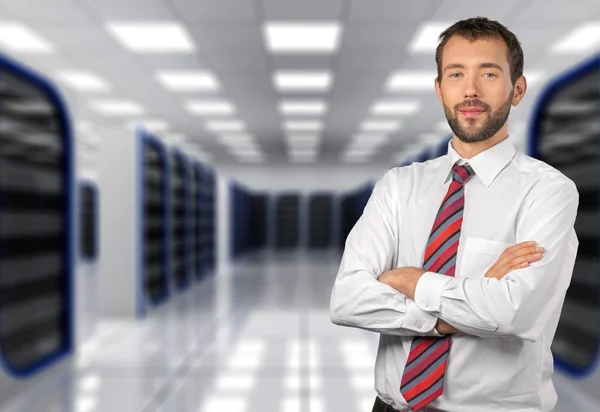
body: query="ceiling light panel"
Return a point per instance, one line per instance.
(302, 37)
(188, 81)
(152, 37)
(411, 80)
(83, 81)
(394, 108)
(582, 39)
(210, 107)
(225, 126)
(300, 107)
(19, 38)
(117, 107)
(380, 125)
(303, 125)
(426, 37)
(302, 81)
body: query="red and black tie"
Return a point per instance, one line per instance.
(423, 376)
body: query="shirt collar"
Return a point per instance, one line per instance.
(487, 164)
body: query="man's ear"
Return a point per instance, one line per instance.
(437, 90)
(519, 91)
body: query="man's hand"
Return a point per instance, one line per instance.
(515, 257)
(404, 280)
(443, 328)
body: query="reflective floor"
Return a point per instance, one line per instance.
(254, 338)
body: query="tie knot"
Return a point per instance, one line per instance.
(462, 173)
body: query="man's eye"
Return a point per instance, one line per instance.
(454, 75)
(490, 74)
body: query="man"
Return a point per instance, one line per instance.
(461, 263)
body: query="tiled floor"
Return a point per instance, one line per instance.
(255, 338)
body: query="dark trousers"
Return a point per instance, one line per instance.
(381, 406)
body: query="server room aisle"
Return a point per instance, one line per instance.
(256, 337)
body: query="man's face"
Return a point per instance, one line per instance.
(475, 90)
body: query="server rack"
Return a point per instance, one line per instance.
(351, 208)
(207, 220)
(195, 216)
(88, 221)
(179, 214)
(287, 221)
(154, 265)
(565, 132)
(320, 220)
(240, 220)
(36, 230)
(258, 220)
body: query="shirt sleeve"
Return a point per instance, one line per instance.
(520, 304)
(358, 299)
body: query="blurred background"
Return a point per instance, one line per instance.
(178, 178)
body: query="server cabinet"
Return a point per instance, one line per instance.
(88, 221)
(36, 210)
(258, 220)
(207, 220)
(320, 220)
(195, 216)
(288, 221)
(565, 133)
(154, 197)
(180, 211)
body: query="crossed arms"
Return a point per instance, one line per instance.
(517, 305)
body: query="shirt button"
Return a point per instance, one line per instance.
(419, 324)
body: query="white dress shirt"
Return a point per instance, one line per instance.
(501, 359)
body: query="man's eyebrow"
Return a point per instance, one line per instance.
(481, 66)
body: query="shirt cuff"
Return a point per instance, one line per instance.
(417, 319)
(428, 292)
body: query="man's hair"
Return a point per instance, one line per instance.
(483, 28)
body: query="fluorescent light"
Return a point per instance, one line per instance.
(225, 126)
(20, 38)
(210, 107)
(584, 38)
(83, 81)
(426, 38)
(240, 151)
(152, 37)
(303, 140)
(302, 37)
(303, 125)
(369, 139)
(302, 152)
(184, 81)
(302, 81)
(150, 125)
(225, 403)
(302, 107)
(411, 80)
(394, 107)
(380, 125)
(117, 107)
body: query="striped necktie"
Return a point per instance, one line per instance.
(423, 376)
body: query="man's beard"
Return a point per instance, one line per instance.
(489, 126)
